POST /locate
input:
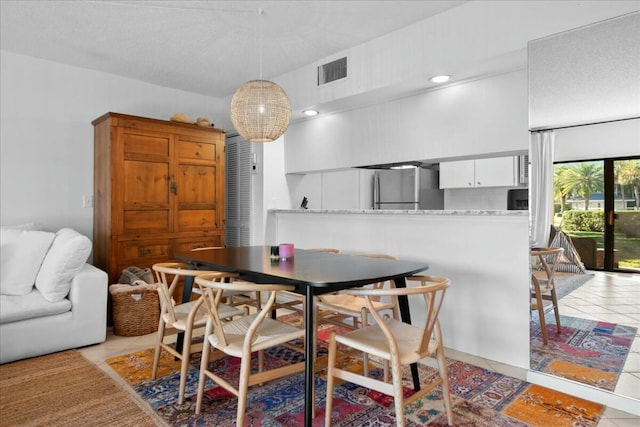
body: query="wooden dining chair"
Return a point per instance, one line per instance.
(236, 298)
(400, 344)
(241, 337)
(543, 288)
(351, 311)
(181, 318)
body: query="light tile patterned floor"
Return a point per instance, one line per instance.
(611, 297)
(608, 297)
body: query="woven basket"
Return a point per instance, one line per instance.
(136, 309)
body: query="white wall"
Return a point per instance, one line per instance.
(46, 137)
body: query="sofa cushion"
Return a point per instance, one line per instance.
(65, 258)
(14, 308)
(21, 254)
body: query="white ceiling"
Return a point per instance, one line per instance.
(205, 47)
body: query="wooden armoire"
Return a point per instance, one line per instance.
(158, 190)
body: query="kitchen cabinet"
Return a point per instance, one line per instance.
(158, 190)
(492, 172)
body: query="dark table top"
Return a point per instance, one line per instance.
(325, 272)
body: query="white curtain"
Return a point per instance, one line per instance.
(541, 186)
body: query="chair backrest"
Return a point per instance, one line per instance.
(213, 287)
(332, 250)
(432, 288)
(550, 258)
(379, 285)
(168, 275)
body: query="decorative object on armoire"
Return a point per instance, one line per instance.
(260, 109)
(204, 122)
(181, 118)
(158, 190)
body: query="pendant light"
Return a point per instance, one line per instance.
(260, 109)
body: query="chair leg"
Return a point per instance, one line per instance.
(243, 389)
(156, 355)
(543, 323)
(204, 363)
(184, 366)
(396, 374)
(365, 357)
(330, 367)
(554, 300)
(444, 374)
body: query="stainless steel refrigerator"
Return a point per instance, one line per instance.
(407, 189)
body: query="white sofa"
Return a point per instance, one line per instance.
(50, 298)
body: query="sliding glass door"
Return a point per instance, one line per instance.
(622, 215)
(597, 204)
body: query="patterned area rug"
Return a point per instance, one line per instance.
(481, 398)
(587, 351)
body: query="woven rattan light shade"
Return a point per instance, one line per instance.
(260, 111)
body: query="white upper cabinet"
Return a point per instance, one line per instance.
(493, 172)
(458, 174)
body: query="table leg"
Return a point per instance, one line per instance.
(309, 339)
(186, 297)
(405, 314)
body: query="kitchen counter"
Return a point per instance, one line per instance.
(485, 254)
(404, 212)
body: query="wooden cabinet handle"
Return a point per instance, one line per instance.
(173, 187)
(144, 251)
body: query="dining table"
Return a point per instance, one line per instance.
(311, 273)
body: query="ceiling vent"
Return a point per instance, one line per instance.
(332, 71)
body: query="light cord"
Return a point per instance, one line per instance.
(260, 12)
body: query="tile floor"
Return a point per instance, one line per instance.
(612, 297)
(608, 296)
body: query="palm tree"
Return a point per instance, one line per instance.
(584, 178)
(560, 192)
(628, 173)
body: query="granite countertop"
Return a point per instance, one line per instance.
(403, 212)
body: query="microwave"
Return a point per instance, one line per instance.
(518, 199)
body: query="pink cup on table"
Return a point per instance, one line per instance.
(286, 251)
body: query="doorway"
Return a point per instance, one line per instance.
(600, 200)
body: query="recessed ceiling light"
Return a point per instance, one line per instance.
(440, 79)
(310, 112)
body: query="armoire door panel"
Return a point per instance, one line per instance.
(194, 220)
(196, 184)
(146, 183)
(147, 144)
(141, 221)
